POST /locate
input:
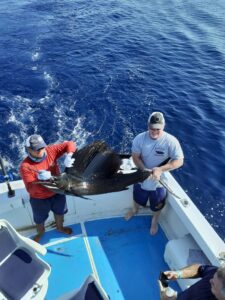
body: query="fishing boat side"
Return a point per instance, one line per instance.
(190, 238)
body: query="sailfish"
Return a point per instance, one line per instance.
(96, 170)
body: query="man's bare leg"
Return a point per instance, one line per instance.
(154, 225)
(40, 231)
(59, 224)
(132, 212)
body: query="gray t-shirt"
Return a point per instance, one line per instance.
(154, 152)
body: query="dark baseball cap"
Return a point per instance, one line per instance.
(156, 120)
(35, 142)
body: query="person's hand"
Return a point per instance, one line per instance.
(156, 173)
(44, 175)
(162, 291)
(171, 275)
(150, 173)
(68, 162)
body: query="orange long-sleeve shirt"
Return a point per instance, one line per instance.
(29, 169)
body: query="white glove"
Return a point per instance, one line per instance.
(44, 175)
(68, 162)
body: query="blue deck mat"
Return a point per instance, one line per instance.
(70, 267)
(128, 260)
(133, 255)
(54, 235)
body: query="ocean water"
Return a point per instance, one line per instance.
(88, 70)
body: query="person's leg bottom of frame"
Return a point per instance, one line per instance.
(132, 211)
(140, 197)
(40, 231)
(40, 209)
(154, 224)
(157, 202)
(59, 225)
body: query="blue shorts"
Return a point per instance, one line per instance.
(42, 207)
(156, 198)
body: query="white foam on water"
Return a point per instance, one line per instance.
(79, 133)
(68, 129)
(17, 142)
(127, 140)
(108, 85)
(35, 56)
(52, 84)
(44, 99)
(50, 79)
(6, 162)
(18, 118)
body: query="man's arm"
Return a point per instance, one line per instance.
(187, 272)
(58, 150)
(171, 165)
(138, 161)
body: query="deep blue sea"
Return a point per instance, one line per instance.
(88, 70)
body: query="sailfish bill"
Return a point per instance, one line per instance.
(96, 170)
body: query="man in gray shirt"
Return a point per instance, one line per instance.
(149, 150)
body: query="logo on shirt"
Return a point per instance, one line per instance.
(159, 151)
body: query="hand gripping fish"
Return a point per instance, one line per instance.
(96, 170)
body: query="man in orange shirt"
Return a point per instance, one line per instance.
(41, 164)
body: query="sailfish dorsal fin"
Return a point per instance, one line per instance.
(96, 160)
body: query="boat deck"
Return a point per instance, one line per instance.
(123, 255)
